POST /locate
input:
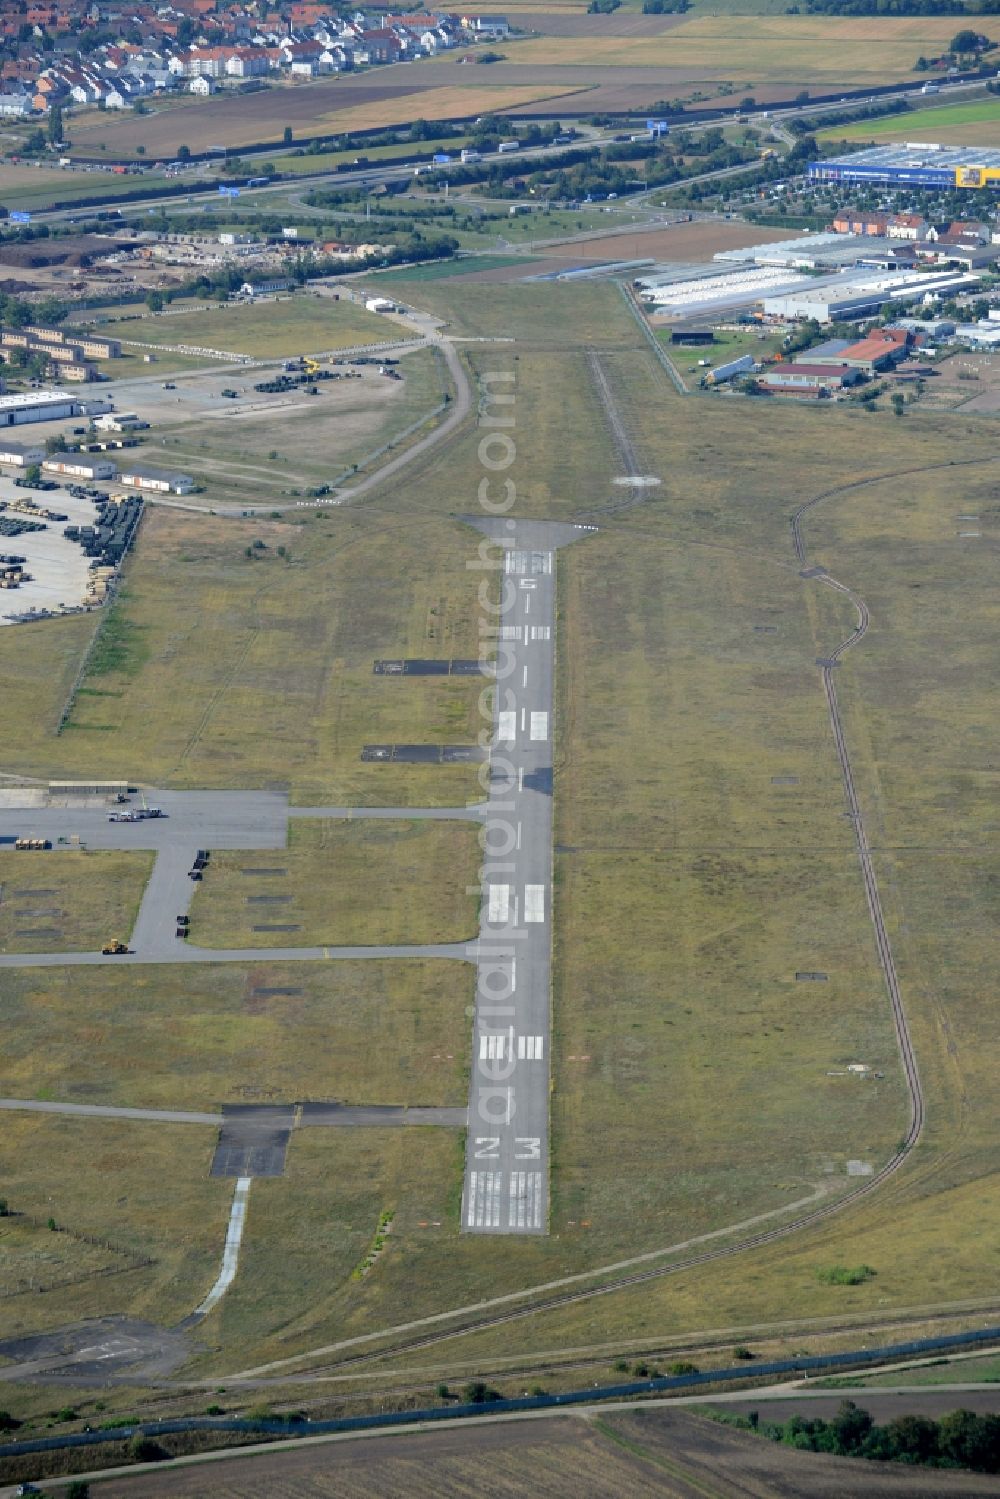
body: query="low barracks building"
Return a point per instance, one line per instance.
(79, 466)
(19, 456)
(161, 481)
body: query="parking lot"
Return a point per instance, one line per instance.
(59, 569)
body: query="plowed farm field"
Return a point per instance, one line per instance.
(310, 109)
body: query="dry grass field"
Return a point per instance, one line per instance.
(268, 330)
(114, 1180)
(68, 901)
(196, 1038)
(703, 858)
(761, 48)
(267, 446)
(360, 882)
(688, 612)
(276, 661)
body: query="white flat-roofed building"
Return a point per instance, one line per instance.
(79, 466)
(120, 421)
(160, 480)
(19, 456)
(834, 299)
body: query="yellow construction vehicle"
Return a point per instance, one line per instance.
(310, 367)
(114, 949)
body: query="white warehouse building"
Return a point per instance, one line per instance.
(845, 297)
(48, 406)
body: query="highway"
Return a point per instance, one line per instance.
(403, 171)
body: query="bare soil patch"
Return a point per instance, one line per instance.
(679, 242)
(670, 1454)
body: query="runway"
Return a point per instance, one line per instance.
(506, 1172)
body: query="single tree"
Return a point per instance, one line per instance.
(964, 42)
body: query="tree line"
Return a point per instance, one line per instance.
(960, 1439)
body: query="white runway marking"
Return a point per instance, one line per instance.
(498, 907)
(519, 835)
(515, 562)
(507, 725)
(492, 1047)
(524, 1200)
(539, 726)
(541, 562)
(534, 902)
(520, 778)
(527, 603)
(541, 632)
(483, 1207)
(510, 632)
(530, 1048)
(523, 712)
(524, 677)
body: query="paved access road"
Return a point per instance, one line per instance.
(506, 1173)
(191, 820)
(184, 952)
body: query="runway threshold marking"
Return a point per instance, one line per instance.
(534, 902)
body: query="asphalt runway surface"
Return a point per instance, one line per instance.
(506, 1171)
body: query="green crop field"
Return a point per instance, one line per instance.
(465, 265)
(976, 123)
(360, 882)
(31, 188)
(982, 1369)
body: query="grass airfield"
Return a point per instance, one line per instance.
(696, 1080)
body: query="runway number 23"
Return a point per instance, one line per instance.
(527, 1148)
